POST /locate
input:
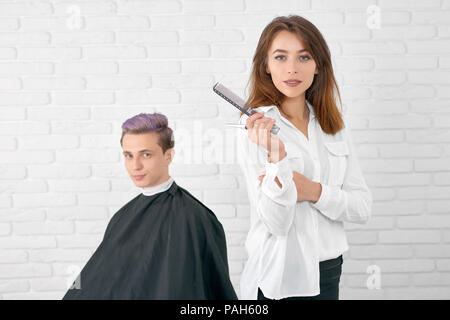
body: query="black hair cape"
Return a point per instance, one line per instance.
(164, 246)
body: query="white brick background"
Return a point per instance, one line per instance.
(72, 71)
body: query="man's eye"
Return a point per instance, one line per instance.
(128, 156)
(280, 57)
(147, 155)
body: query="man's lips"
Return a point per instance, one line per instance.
(139, 177)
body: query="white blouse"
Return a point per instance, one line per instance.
(287, 239)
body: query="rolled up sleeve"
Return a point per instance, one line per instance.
(275, 206)
(287, 194)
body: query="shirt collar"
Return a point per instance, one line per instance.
(312, 114)
(157, 189)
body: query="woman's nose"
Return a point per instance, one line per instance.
(292, 70)
(292, 67)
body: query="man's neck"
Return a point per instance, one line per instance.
(159, 182)
(161, 187)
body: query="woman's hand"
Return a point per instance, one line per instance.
(307, 190)
(258, 130)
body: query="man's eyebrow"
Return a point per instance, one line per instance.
(145, 150)
(285, 51)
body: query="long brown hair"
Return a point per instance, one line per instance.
(321, 93)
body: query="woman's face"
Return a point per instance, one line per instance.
(292, 68)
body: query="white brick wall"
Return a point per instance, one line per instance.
(69, 80)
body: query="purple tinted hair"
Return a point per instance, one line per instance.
(150, 122)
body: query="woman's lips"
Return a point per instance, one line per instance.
(139, 177)
(292, 83)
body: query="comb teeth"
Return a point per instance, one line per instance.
(237, 101)
(230, 96)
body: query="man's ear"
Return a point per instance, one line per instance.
(170, 153)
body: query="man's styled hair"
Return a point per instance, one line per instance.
(150, 122)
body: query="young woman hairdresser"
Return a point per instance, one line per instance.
(305, 181)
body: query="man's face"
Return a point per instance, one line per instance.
(145, 161)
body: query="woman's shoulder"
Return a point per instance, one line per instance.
(339, 143)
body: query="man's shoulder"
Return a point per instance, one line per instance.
(194, 209)
(121, 213)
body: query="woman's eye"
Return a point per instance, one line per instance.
(304, 58)
(280, 58)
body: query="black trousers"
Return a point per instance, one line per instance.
(330, 275)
